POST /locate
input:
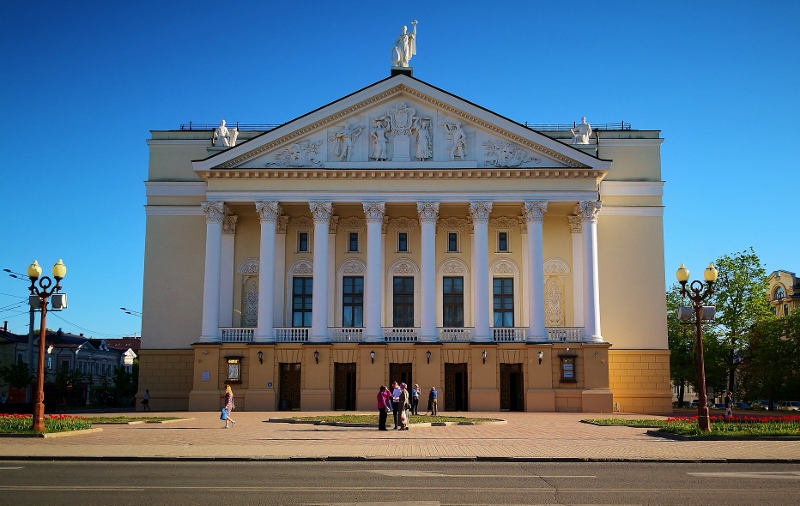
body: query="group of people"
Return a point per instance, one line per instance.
(402, 403)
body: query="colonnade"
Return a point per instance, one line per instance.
(584, 232)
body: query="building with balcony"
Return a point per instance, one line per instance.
(784, 292)
(405, 233)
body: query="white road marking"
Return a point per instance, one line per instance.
(787, 475)
(7, 468)
(432, 474)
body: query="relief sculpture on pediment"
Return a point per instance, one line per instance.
(299, 154)
(504, 154)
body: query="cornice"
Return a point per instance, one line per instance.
(400, 174)
(175, 188)
(631, 211)
(632, 189)
(174, 211)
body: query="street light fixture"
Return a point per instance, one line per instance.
(131, 312)
(57, 301)
(698, 293)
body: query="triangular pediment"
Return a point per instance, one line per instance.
(401, 123)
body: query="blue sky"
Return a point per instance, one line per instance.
(84, 82)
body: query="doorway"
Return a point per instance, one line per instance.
(344, 386)
(401, 373)
(289, 399)
(456, 387)
(511, 388)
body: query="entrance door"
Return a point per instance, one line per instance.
(289, 387)
(401, 373)
(345, 386)
(456, 387)
(511, 387)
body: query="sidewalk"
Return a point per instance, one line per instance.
(524, 436)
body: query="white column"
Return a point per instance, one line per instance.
(280, 272)
(428, 214)
(268, 214)
(591, 292)
(226, 272)
(373, 295)
(215, 213)
(534, 216)
(321, 211)
(577, 270)
(480, 267)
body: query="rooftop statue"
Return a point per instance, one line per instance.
(224, 136)
(405, 46)
(581, 133)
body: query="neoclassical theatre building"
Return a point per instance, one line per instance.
(405, 233)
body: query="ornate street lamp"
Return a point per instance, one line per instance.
(698, 293)
(58, 301)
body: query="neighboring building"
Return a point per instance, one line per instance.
(784, 292)
(405, 233)
(10, 352)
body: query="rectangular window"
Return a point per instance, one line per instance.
(502, 241)
(452, 242)
(301, 302)
(65, 365)
(503, 302)
(353, 301)
(402, 241)
(352, 246)
(453, 301)
(302, 241)
(786, 310)
(403, 302)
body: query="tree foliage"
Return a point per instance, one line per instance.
(18, 374)
(772, 370)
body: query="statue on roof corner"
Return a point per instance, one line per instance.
(405, 46)
(223, 136)
(582, 133)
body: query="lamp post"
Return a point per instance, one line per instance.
(698, 293)
(44, 292)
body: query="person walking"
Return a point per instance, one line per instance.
(729, 405)
(228, 407)
(415, 399)
(384, 405)
(432, 401)
(146, 401)
(396, 404)
(405, 406)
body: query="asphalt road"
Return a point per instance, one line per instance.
(179, 483)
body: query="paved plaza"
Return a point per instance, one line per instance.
(534, 436)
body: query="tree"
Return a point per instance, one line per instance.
(773, 359)
(681, 340)
(18, 374)
(740, 296)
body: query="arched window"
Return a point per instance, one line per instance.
(779, 293)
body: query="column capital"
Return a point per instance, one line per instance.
(268, 212)
(480, 211)
(575, 224)
(215, 211)
(588, 210)
(229, 224)
(533, 210)
(281, 224)
(321, 211)
(374, 211)
(428, 212)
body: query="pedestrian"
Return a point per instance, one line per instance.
(432, 401)
(3, 398)
(405, 406)
(415, 399)
(384, 405)
(396, 404)
(146, 401)
(729, 405)
(227, 407)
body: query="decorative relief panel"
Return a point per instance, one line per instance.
(452, 224)
(454, 266)
(353, 223)
(248, 267)
(281, 225)
(303, 153)
(353, 267)
(403, 224)
(556, 267)
(404, 267)
(503, 223)
(344, 141)
(302, 267)
(229, 224)
(333, 225)
(502, 267)
(301, 223)
(504, 154)
(553, 303)
(250, 303)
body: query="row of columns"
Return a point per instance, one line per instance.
(428, 212)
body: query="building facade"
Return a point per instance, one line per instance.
(404, 233)
(784, 292)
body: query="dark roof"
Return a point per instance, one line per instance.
(125, 343)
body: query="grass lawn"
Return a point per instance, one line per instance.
(22, 424)
(736, 426)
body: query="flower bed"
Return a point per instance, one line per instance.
(23, 424)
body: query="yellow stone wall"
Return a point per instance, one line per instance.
(640, 380)
(168, 376)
